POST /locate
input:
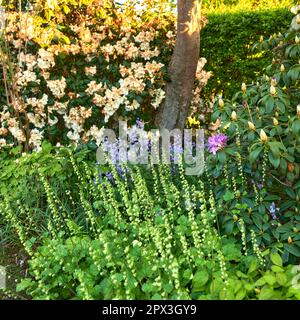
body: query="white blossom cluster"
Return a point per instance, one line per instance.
(57, 87)
(131, 81)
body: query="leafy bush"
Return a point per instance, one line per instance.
(227, 43)
(265, 116)
(71, 70)
(116, 268)
(130, 223)
(76, 70)
(144, 233)
(262, 124)
(229, 6)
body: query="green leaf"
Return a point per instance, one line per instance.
(283, 164)
(266, 294)
(156, 296)
(252, 267)
(241, 294)
(296, 126)
(270, 279)
(241, 274)
(147, 287)
(183, 220)
(294, 71)
(168, 287)
(228, 196)
(290, 192)
(277, 269)
(260, 282)
(274, 161)
(276, 259)
(24, 284)
(254, 154)
(200, 279)
(221, 156)
(293, 249)
(275, 147)
(257, 220)
(269, 104)
(281, 278)
(231, 252)
(216, 285)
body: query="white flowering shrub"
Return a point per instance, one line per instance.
(70, 71)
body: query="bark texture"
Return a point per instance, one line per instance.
(182, 69)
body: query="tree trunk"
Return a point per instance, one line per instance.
(182, 69)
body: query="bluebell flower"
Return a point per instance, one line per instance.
(259, 185)
(176, 151)
(110, 177)
(139, 123)
(273, 210)
(122, 171)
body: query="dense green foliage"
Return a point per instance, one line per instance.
(227, 41)
(262, 122)
(116, 224)
(92, 269)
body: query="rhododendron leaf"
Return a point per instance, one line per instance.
(254, 154)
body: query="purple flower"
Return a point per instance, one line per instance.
(133, 134)
(259, 185)
(273, 211)
(119, 170)
(122, 172)
(216, 142)
(110, 177)
(139, 123)
(176, 151)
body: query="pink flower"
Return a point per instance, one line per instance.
(216, 142)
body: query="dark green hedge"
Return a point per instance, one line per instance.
(227, 43)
